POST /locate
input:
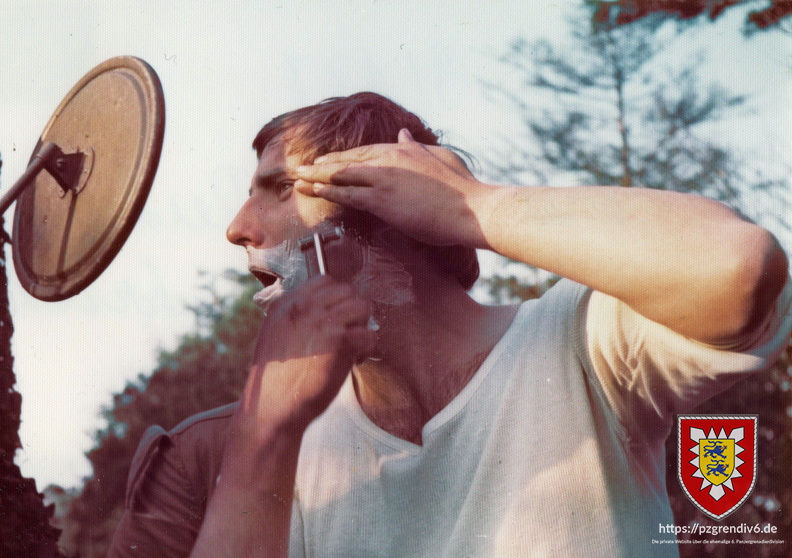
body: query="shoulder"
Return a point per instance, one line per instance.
(559, 312)
(211, 420)
(193, 449)
(170, 480)
(563, 298)
(206, 429)
(546, 338)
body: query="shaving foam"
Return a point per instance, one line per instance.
(286, 261)
(381, 279)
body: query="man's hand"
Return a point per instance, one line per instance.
(684, 261)
(424, 191)
(306, 347)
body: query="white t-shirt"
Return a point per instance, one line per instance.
(554, 448)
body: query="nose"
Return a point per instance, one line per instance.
(242, 231)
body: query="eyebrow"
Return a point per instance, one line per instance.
(269, 178)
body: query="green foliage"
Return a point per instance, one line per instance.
(206, 370)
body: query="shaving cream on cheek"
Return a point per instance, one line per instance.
(286, 261)
(383, 279)
(380, 279)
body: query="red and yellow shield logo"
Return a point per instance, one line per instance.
(716, 461)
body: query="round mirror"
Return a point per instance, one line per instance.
(111, 125)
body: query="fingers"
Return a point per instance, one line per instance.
(351, 313)
(305, 349)
(327, 292)
(405, 136)
(308, 188)
(298, 331)
(354, 155)
(319, 295)
(322, 303)
(342, 183)
(364, 152)
(362, 342)
(356, 197)
(341, 172)
(352, 167)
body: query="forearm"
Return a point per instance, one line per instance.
(249, 513)
(304, 352)
(684, 261)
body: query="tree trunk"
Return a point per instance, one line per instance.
(25, 530)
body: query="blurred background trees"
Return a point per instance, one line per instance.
(207, 369)
(615, 106)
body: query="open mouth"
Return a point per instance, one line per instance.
(265, 277)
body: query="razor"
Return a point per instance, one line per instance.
(313, 245)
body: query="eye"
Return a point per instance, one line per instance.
(284, 188)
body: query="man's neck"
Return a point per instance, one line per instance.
(428, 352)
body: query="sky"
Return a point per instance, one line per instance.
(225, 72)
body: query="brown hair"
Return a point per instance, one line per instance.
(342, 123)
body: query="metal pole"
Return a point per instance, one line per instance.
(40, 160)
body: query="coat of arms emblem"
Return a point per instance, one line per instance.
(716, 461)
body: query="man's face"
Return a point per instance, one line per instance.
(274, 213)
(276, 217)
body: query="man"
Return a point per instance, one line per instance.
(387, 413)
